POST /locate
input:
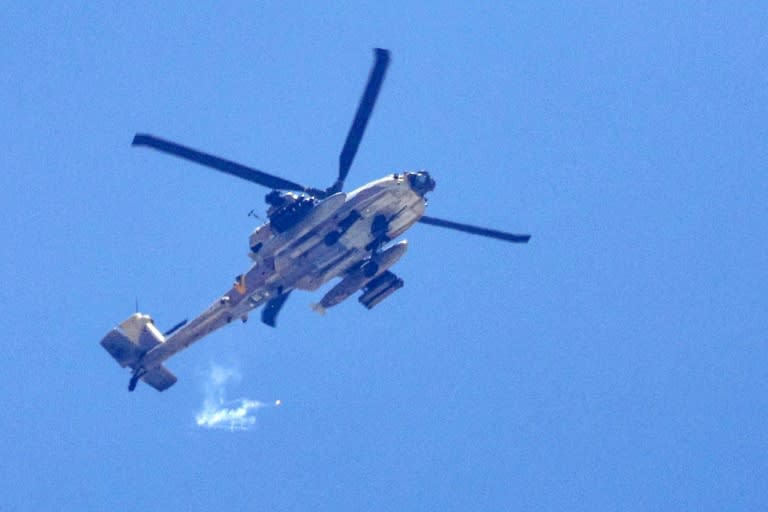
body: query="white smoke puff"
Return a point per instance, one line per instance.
(220, 413)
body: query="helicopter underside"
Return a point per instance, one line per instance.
(371, 216)
(343, 232)
(302, 258)
(313, 236)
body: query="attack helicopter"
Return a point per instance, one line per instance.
(311, 237)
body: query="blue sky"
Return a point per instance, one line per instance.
(617, 362)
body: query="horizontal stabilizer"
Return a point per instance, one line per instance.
(121, 348)
(159, 378)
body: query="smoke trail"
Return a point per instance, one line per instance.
(220, 413)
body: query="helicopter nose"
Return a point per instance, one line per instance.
(421, 182)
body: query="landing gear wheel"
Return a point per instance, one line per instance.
(379, 226)
(331, 238)
(370, 269)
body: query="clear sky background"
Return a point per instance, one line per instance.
(617, 362)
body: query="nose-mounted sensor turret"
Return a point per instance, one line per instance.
(421, 182)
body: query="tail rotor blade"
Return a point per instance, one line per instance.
(220, 164)
(362, 116)
(475, 230)
(176, 327)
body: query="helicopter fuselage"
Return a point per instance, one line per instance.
(339, 236)
(312, 236)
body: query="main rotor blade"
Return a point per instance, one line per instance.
(475, 230)
(362, 115)
(220, 164)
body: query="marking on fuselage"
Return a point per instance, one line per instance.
(240, 285)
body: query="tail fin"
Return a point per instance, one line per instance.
(128, 343)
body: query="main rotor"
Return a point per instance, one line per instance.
(346, 157)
